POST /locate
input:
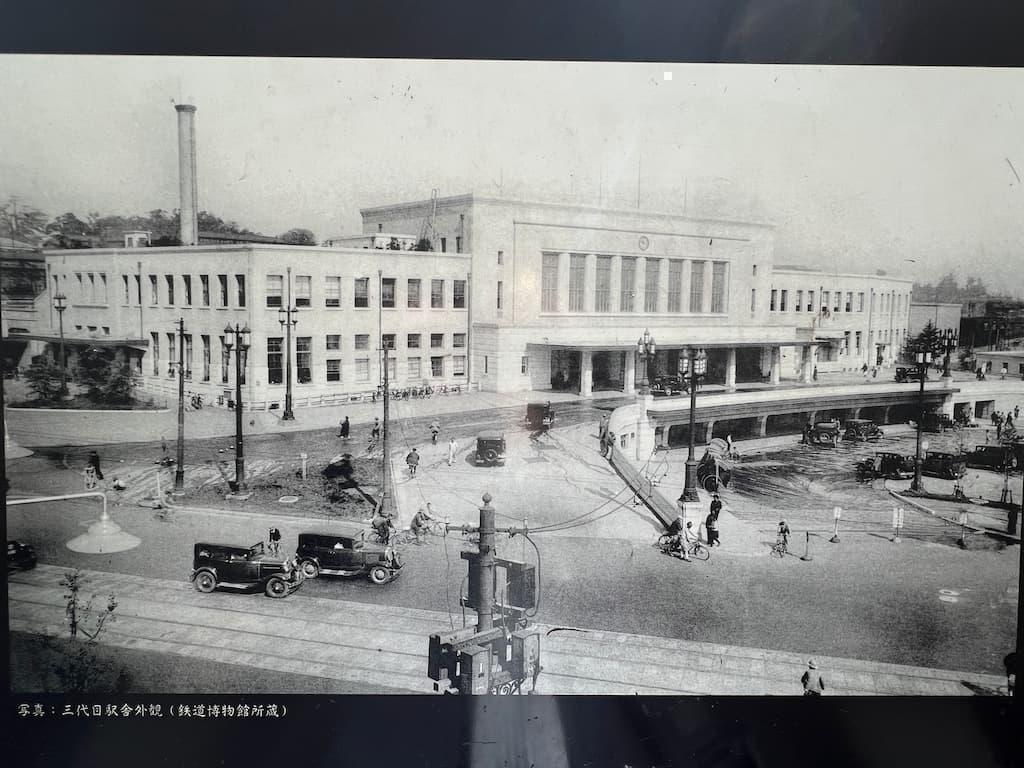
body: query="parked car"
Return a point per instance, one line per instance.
(539, 415)
(346, 552)
(20, 556)
(227, 565)
(668, 386)
(490, 448)
(994, 457)
(862, 429)
(910, 374)
(892, 466)
(822, 433)
(936, 422)
(714, 471)
(948, 465)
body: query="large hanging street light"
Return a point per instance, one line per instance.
(60, 304)
(923, 360)
(692, 368)
(950, 341)
(284, 317)
(645, 348)
(240, 345)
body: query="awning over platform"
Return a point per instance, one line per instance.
(74, 341)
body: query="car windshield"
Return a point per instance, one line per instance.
(255, 550)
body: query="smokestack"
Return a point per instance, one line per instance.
(189, 227)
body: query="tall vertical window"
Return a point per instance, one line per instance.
(849, 302)
(187, 279)
(437, 367)
(206, 357)
(627, 289)
(718, 288)
(675, 278)
(303, 291)
(549, 283)
(577, 277)
(501, 257)
(603, 284)
(240, 290)
(524, 364)
(103, 287)
(127, 294)
(753, 299)
(860, 301)
(172, 351)
(138, 288)
(825, 296)
(500, 296)
(333, 341)
(222, 284)
(413, 371)
(204, 284)
(412, 296)
(437, 294)
(651, 279)
(697, 286)
(170, 288)
(857, 337)
(459, 365)
(362, 292)
(362, 370)
(444, 245)
(458, 243)
(188, 355)
(459, 294)
(810, 301)
(783, 298)
(275, 290)
(387, 292)
(225, 361)
(332, 292)
(839, 299)
(798, 305)
(155, 338)
(333, 369)
(774, 301)
(275, 360)
(304, 359)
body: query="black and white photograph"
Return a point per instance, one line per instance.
(511, 378)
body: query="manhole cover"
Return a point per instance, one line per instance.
(288, 499)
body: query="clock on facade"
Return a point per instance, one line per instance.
(644, 242)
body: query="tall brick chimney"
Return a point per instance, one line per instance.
(189, 227)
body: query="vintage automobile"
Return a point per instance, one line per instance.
(910, 374)
(539, 415)
(228, 565)
(715, 467)
(861, 429)
(822, 433)
(347, 552)
(995, 457)
(946, 465)
(932, 421)
(490, 448)
(666, 386)
(892, 466)
(20, 556)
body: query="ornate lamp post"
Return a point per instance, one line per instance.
(240, 345)
(60, 304)
(179, 473)
(692, 368)
(645, 348)
(923, 360)
(284, 317)
(950, 341)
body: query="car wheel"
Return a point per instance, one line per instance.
(276, 587)
(490, 456)
(505, 689)
(310, 569)
(206, 582)
(710, 483)
(379, 574)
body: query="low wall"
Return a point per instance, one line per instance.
(46, 427)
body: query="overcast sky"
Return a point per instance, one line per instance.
(858, 168)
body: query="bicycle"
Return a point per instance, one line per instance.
(696, 550)
(780, 548)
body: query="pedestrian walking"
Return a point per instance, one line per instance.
(1016, 411)
(1010, 662)
(375, 431)
(453, 448)
(435, 429)
(274, 536)
(812, 680)
(711, 526)
(94, 462)
(1003, 371)
(814, 375)
(716, 505)
(874, 373)
(413, 460)
(608, 444)
(602, 428)
(343, 429)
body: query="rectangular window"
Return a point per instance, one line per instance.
(810, 301)
(138, 288)
(485, 363)
(275, 290)
(860, 301)
(412, 298)
(501, 257)
(188, 355)
(332, 292)
(387, 292)
(155, 338)
(334, 370)
(675, 279)
(500, 296)
(206, 357)
(127, 294)
(436, 340)
(362, 370)
(459, 340)
(222, 282)
(825, 295)
(444, 245)
(627, 289)
(524, 365)
(549, 283)
(857, 340)
(603, 284)
(333, 341)
(754, 270)
(103, 298)
(577, 281)
(437, 367)
(846, 343)
(753, 299)
(240, 290)
(459, 294)
(849, 302)
(91, 298)
(773, 301)
(437, 294)
(839, 299)
(651, 278)
(412, 341)
(187, 279)
(275, 360)
(362, 341)
(783, 298)
(304, 359)
(362, 294)
(697, 286)
(225, 361)
(387, 341)
(718, 288)
(303, 291)
(459, 365)
(798, 305)
(172, 352)
(413, 368)
(170, 288)
(204, 284)
(458, 243)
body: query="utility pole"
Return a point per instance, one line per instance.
(385, 496)
(60, 304)
(179, 473)
(286, 320)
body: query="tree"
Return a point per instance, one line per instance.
(22, 222)
(928, 340)
(43, 376)
(423, 244)
(106, 379)
(298, 237)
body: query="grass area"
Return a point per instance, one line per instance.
(82, 403)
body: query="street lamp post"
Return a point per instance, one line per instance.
(59, 303)
(240, 344)
(179, 473)
(950, 341)
(284, 317)
(923, 360)
(692, 367)
(645, 348)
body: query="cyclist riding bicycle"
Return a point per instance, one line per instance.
(421, 520)
(782, 535)
(383, 527)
